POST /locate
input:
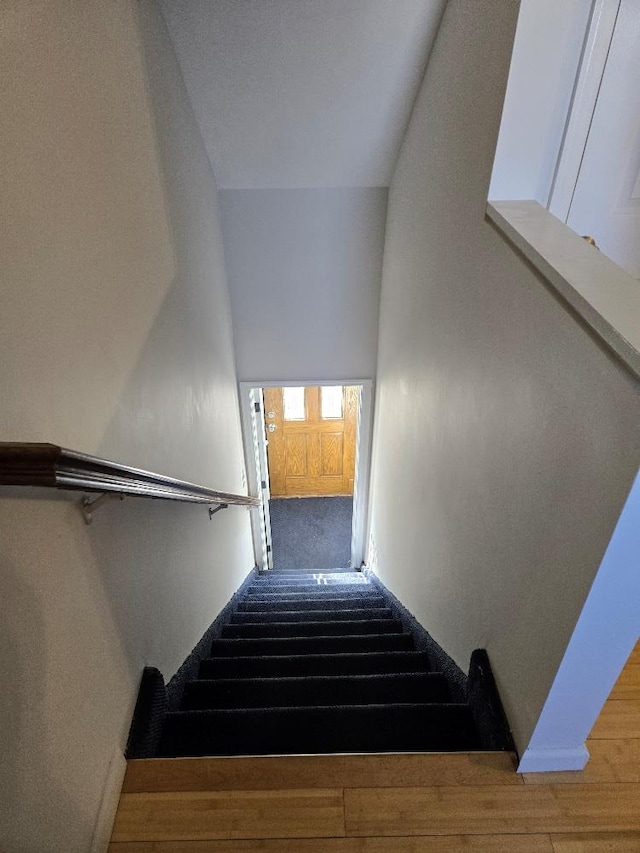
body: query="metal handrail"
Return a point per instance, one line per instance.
(48, 465)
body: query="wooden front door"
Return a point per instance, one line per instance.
(311, 440)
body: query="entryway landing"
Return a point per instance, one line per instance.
(307, 448)
(311, 532)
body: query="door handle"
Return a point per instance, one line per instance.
(271, 427)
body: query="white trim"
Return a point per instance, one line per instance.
(554, 760)
(362, 476)
(263, 471)
(600, 292)
(308, 383)
(604, 636)
(363, 459)
(109, 803)
(260, 530)
(594, 60)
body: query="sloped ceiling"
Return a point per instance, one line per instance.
(302, 93)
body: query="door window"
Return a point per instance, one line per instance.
(293, 404)
(331, 398)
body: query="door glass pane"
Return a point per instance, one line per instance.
(293, 404)
(331, 401)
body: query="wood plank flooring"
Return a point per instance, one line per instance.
(324, 771)
(188, 815)
(461, 803)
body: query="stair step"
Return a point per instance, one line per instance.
(319, 593)
(278, 572)
(324, 729)
(309, 628)
(312, 645)
(317, 578)
(277, 666)
(298, 604)
(317, 690)
(353, 615)
(333, 587)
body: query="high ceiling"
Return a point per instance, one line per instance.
(302, 93)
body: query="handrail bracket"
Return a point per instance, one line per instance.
(89, 506)
(213, 511)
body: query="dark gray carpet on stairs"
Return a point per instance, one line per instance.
(340, 672)
(283, 685)
(311, 533)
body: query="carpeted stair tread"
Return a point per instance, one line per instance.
(311, 582)
(283, 583)
(298, 588)
(314, 605)
(318, 593)
(320, 729)
(277, 666)
(302, 571)
(411, 688)
(312, 645)
(314, 628)
(311, 577)
(315, 662)
(353, 615)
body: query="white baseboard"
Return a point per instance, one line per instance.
(554, 760)
(109, 803)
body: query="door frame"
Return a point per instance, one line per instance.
(254, 440)
(598, 37)
(255, 453)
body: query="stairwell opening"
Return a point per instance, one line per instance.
(309, 662)
(307, 451)
(306, 663)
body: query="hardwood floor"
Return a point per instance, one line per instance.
(461, 803)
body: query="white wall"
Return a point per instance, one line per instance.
(506, 439)
(304, 274)
(115, 340)
(546, 55)
(302, 93)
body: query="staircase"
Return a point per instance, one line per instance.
(316, 663)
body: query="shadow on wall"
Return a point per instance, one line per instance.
(178, 412)
(151, 383)
(26, 780)
(167, 569)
